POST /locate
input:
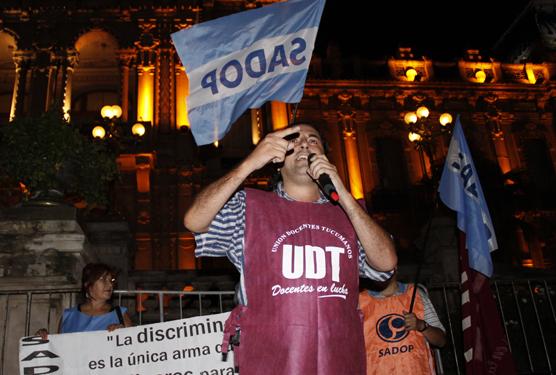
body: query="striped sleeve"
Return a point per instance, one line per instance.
(365, 270)
(224, 236)
(430, 313)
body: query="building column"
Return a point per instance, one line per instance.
(54, 73)
(186, 252)
(256, 125)
(39, 85)
(182, 92)
(145, 93)
(333, 135)
(165, 84)
(500, 148)
(71, 63)
(279, 113)
(186, 191)
(126, 59)
(59, 72)
(347, 123)
(22, 61)
(148, 62)
(501, 153)
(141, 165)
(415, 162)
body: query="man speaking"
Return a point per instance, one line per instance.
(299, 257)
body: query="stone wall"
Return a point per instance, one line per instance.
(42, 252)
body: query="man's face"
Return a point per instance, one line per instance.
(308, 142)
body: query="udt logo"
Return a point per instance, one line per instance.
(390, 328)
(310, 261)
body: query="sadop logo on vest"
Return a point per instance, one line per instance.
(391, 328)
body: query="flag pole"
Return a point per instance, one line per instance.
(294, 114)
(425, 243)
(433, 184)
(434, 181)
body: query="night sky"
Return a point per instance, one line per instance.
(438, 30)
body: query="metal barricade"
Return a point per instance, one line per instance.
(22, 312)
(527, 308)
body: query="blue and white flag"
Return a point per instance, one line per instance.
(245, 59)
(460, 190)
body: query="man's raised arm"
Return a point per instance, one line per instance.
(379, 247)
(377, 243)
(212, 198)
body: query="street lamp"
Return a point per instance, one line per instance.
(111, 111)
(412, 74)
(423, 132)
(111, 128)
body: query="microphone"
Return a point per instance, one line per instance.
(325, 183)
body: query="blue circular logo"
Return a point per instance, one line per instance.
(391, 328)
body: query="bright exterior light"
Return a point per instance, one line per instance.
(98, 132)
(414, 137)
(530, 74)
(445, 119)
(411, 73)
(106, 111)
(117, 111)
(422, 112)
(138, 129)
(111, 111)
(410, 118)
(480, 76)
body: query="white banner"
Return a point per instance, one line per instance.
(180, 347)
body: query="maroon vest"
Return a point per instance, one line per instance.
(301, 280)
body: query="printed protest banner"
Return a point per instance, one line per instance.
(189, 346)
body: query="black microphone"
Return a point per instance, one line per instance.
(325, 183)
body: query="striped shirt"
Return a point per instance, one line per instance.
(430, 313)
(225, 237)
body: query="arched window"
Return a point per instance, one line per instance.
(96, 79)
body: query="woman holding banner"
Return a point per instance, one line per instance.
(97, 312)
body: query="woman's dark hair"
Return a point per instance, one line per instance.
(91, 273)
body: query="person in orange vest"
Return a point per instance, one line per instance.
(396, 341)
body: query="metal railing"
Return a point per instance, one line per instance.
(23, 312)
(527, 308)
(188, 304)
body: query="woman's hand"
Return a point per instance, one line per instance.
(113, 327)
(43, 333)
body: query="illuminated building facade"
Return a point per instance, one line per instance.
(83, 55)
